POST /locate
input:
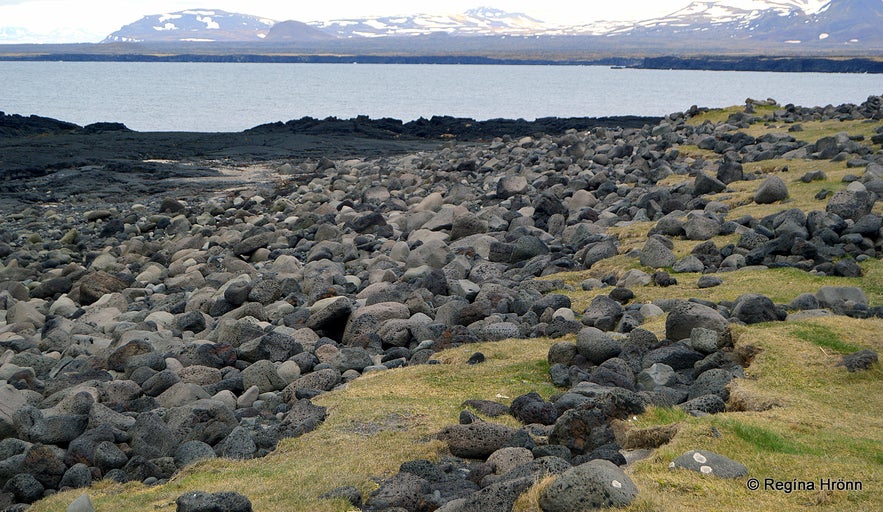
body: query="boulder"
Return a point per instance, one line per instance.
(753, 308)
(850, 204)
(705, 184)
(404, 490)
(531, 408)
(861, 360)
(655, 254)
(709, 463)
(686, 316)
(771, 190)
(594, 485)
(497, 496)
(198, 501)
(476, 440)
(596, 346)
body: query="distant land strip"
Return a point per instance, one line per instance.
(777, 64)
(709, 63)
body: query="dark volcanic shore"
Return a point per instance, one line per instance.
(44, 160)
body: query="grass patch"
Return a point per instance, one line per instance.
(782, 285)
(720, 115)
(654, 416)
(763, 438)
(824, 337)
(815, 130)
(827, 427)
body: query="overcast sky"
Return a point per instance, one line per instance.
(92, 20)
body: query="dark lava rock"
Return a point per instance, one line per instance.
(709, 463)
(753, 309)
(687, 315)
(861, 360)
(198, 501)
(531, 408)
(597, 484)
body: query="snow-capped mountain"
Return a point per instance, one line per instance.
(703, 23)
(195, 25)
(785, 21)
(475, 22)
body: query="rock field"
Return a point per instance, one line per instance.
(141, 334)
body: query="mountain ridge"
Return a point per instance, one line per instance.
(785, 21)
(769, 26)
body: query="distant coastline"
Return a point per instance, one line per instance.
(780, 64)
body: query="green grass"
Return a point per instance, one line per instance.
(824, 337)
(764, 439)
(661, 416)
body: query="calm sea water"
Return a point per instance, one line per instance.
(232, 97)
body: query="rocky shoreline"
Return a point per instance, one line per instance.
(43, 160)
(169, 324)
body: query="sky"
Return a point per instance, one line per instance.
(67, 21)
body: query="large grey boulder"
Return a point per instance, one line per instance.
(151, 437)
(476, 440)
(319, 380)
(753, 308)
(655, 254)
(705, 184)
(600, 251)
(511, 185)
(11, 400)
(192, 451)
(771, 190)
(685, 316)
(262, 374)
(596, 484)
(709, 463)
(497, 496)
(596, 345)
(841, 298)
(851, 204)
(701, 227)
(404, 490)
(81, 504)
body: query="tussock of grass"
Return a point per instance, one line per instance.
(529, 501)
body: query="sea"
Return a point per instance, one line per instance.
(230, 97)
